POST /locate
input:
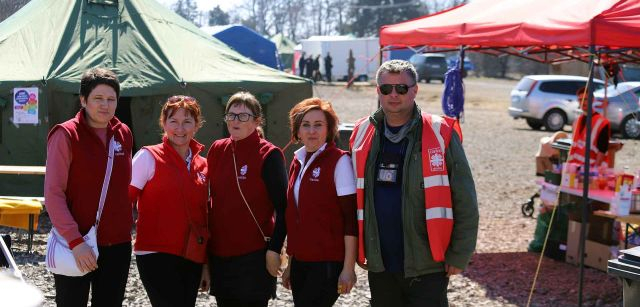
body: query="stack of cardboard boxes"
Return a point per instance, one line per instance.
(601, 244)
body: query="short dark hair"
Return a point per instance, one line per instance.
(96, 76)
(397, 67)
(298, 112)
(248, 100)
(581, 91)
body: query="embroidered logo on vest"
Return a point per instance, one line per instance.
(117, 149)
(436, 160)
(243, 172)
(315, 174)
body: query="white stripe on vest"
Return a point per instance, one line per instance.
(362, 131)
(439, 213)
(435, 181)
(436, 122)
(594, 134)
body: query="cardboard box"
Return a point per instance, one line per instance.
(597, 255)
(573, 242)
(604, 230)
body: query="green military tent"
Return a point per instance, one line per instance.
(285, 48)
(47, 45)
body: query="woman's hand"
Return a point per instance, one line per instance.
(85, 258)
(205, 279)
(286, 277)
(273, 263)
(346, 281)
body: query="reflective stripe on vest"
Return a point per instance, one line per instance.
(577, 153)
(436, 134)
(439, 213)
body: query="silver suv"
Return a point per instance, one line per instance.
(623, 110)
(548, 100)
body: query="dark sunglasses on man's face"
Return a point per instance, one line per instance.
(401, 89)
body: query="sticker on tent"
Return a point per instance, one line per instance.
(25, 105)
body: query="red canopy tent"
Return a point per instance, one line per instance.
(548, 31)
(542, 30)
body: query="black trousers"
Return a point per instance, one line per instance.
(315, 283)
(392, 289)
(169, 280)
(107, 282)
(241, 280)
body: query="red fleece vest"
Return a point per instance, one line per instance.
(163, 224)
(315, 227)
(233, 230)
(86, 175)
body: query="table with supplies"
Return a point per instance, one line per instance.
(602, 230)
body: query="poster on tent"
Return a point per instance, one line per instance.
(25, 105)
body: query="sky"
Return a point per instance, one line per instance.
(207, 5)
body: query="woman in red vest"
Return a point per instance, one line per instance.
(321, 209)
(247, 184)
(170, 185)
(77, 154)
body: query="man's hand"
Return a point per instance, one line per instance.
(451, 270)
(85, 258)
(205, 279)
(273, 263)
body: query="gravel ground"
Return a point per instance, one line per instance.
(501, 153)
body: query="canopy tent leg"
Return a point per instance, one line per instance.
(585, 185)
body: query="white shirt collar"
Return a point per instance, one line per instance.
(301, 153)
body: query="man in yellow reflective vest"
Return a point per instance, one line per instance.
(417, 206)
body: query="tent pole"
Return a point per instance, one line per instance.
(380, 64)
(585, 184)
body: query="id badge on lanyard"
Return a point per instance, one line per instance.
(388, 168)
(389, 164)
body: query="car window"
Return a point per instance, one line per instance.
(436, 60)
(631, 73)
(561, 87)
(596, 86)
(566, 87)
(415, 59)
(524, 84)
(629, 98)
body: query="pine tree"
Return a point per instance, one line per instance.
(188, 9)
(218, 17)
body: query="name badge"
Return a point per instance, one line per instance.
(388, 168)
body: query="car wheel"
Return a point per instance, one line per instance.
(534, 123)
(554, 120)
(630, 127)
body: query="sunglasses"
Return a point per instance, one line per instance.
(243, 117)
(401, 89)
